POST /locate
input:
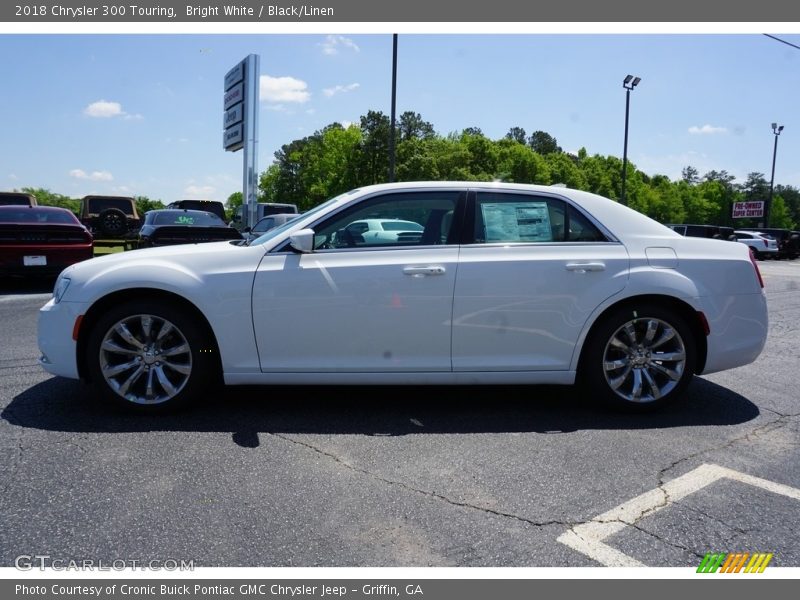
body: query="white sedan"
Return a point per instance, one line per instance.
(504, 283)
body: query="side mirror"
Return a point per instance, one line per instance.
(246, 230)
(302, 241)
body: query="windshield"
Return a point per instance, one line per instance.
(272, 233)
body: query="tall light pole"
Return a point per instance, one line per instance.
(776, 129)
(394, 106)
(628, 83)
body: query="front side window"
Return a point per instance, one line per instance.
(521, 218)
(392, 220)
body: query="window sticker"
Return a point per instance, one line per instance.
(184, 220)
(517, 222)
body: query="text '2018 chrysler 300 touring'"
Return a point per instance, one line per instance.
(501, 284)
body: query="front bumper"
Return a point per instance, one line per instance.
(56, 323)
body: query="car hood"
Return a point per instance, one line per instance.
(166, 267)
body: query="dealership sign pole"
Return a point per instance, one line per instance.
(240, 127)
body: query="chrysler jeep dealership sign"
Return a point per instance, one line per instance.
(744, 210)
(234, 105)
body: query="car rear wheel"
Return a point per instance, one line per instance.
(640, 358)
(149, 357)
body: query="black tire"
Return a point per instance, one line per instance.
(112, 222)
(611, 358)
(161, 374)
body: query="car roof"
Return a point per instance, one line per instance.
(38, 208)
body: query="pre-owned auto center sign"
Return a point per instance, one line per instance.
(753, 209)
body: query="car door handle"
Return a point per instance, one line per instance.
(584, 267)
(424, 271)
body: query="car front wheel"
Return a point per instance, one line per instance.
(149, 357)
(640, 357)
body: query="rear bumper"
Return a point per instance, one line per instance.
(739, 326)
(57, 258)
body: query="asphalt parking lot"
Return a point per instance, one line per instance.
(454, 476)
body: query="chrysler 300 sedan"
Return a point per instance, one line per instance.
(504, 284)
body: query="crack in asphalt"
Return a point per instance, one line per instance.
(675, 545)
(782, 421)
(738, 530)
(427, 493)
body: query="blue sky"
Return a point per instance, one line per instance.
(142, 114)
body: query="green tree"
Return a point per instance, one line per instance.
(144, 204)
(236, 199)
(565, 170)
(413, 126)
(779, 215)
(517, 134)
(543, 143)
(690, 175)
(374, 156)
(517, 163)
(47, 198)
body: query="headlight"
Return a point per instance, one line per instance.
(61, 287)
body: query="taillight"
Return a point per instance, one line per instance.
(766, 243)
(755, 266)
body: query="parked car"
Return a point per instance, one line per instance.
(168, 227)
(788, 246)
(211, 206)
(717, 232)
(41, 240)
(762, 245)
(110, 217)
(17, 199)
(263, 209)
(378, 231)
(508, 283)
(267, 223)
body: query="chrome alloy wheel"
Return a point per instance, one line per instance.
(145, 359)
(644, 360)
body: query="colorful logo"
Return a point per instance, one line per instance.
(734, 562)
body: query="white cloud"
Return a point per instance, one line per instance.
(103, 109)
(340, 89)
(93, 176)
(200, 191)
(283, 89)
(346, 124)
(332, 43)
(707, 130)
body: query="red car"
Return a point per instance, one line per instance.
(41, 240)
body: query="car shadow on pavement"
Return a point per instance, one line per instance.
(65, 405)
(26, 285)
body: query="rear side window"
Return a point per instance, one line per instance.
(522, 218)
